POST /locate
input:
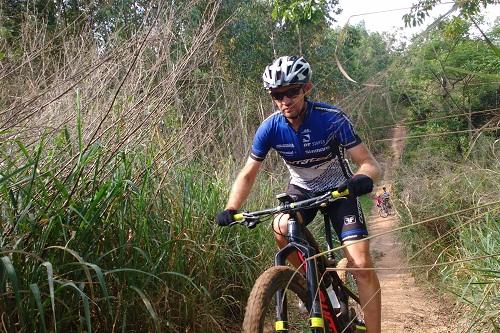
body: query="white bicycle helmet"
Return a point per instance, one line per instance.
(285, 71)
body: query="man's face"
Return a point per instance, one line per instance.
(289, 99)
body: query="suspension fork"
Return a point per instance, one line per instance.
(296, 243)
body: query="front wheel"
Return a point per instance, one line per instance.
(260, 314)
(382, 211)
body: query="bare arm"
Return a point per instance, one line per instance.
(365, 161)
(243, 184)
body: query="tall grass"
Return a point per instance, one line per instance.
(430, 185)
(107, 184)
(118, 248)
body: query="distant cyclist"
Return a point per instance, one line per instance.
(312, 138)
(385, 196)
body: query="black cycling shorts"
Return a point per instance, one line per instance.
(345, 215)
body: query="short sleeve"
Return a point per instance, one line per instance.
(345, 134)
(261, 143)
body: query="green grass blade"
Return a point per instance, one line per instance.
(38, 300)
(11, 275)
(85, 300)
(149, 307)
(81, 261)
(50, 279)
(4, 178)
(35, 166)
(102, 283)
(23, 149)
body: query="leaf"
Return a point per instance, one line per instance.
(38, 300)
(341, 69)
(148, 305)
(478, 74)
(11, 274)
(85, 300)
(50, 278)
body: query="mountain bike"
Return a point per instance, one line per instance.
(285, 300)
(385, 208)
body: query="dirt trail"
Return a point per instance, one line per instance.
(405, 307)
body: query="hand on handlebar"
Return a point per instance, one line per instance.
(357, 185)
(226, 217)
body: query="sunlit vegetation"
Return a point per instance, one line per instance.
(122, 128)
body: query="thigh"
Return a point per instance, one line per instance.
(358, 253)
(298, 193)
(347, 219)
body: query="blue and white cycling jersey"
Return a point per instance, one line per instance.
(314, 154)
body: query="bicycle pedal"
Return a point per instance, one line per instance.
(359, 325)
(331, 263)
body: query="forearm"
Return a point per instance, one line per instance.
(371, 169)
(367, 165)
(240, 191)
(243, 185)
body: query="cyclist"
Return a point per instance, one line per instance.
(385, 197)
(311, 138)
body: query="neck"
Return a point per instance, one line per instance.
(297, 121)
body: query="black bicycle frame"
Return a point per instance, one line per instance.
(298, 242)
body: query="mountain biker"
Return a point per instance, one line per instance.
(385, 196)
(311, 138)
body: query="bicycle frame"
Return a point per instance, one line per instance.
(321, 307)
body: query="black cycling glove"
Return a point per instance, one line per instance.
(358, 185)
(225, 217)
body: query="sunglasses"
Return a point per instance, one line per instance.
(278, 96)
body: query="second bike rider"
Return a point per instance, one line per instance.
(312, 138)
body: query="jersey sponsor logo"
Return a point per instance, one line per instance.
(349, 219)
(285, 145)
(286, 153)
(310, 160)
(317, 150)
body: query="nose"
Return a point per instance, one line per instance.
(287, 100)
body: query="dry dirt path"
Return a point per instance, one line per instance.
(405, 306)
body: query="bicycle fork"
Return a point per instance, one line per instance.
(316, 321)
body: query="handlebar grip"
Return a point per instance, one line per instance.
(238, 217)
(337, 194)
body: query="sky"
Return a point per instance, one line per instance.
(390, 13)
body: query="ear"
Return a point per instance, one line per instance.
(308, 88)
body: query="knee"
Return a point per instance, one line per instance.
(364, 269)
(280, 227)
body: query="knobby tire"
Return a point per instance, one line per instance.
(260, 314)
(383, 212)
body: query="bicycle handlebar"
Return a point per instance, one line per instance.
(251, 219)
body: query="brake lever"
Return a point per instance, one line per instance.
(252, 224)
(246, 219)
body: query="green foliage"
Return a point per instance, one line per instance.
(421, 9)
(109, 225)
(450, 167)
(299, 12)
(128, 235)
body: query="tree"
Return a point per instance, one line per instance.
(421, 9)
